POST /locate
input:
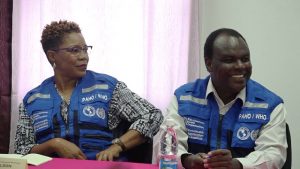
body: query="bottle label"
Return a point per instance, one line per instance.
(167, 164)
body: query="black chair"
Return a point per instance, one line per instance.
(140, 154)
(288, 162)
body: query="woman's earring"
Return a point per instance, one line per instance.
(54, 66)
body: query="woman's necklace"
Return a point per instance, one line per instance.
(64, 106)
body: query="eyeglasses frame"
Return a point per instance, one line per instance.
(69, 49)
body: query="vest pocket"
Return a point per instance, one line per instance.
(97, 136)
(41, 113)
(93, 138)
(94, 145)
(93, 112)
(196, 121)
(248, 125)
(91, 147)
(245, 134)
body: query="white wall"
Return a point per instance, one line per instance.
(272, 30)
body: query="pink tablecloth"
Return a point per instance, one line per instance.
(59, 163)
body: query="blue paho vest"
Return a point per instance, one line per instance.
(87, 125)
(237, 130)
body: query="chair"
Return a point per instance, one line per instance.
(140, 154)
(288, 162)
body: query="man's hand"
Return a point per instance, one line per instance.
(194, 161)
(109, 154)
(221, 158)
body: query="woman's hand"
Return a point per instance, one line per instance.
(109, 154)
(67, 149)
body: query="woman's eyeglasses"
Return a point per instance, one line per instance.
(76, 50)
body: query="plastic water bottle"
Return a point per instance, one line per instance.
(168, 148)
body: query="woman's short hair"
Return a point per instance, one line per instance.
(53, 33)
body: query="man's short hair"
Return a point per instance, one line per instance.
(208, 46)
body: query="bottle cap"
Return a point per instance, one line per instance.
(169, 123)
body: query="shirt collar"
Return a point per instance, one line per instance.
(211, 89)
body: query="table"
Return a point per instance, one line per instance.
(60, 163)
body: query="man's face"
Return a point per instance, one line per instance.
(230, 66)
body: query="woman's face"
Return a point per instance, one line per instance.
(71, 58)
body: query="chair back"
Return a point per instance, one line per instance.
(288, 162)
(139, 154)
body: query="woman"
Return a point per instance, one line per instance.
(73, 114)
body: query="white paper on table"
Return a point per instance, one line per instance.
(12, 162)
(33, 159)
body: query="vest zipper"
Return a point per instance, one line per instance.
(219, 132)
(67, 132)
(67, 129)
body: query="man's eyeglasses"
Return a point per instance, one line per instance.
(76, 50)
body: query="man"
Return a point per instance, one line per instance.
(228, 120)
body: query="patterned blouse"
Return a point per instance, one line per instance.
(124, 105)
